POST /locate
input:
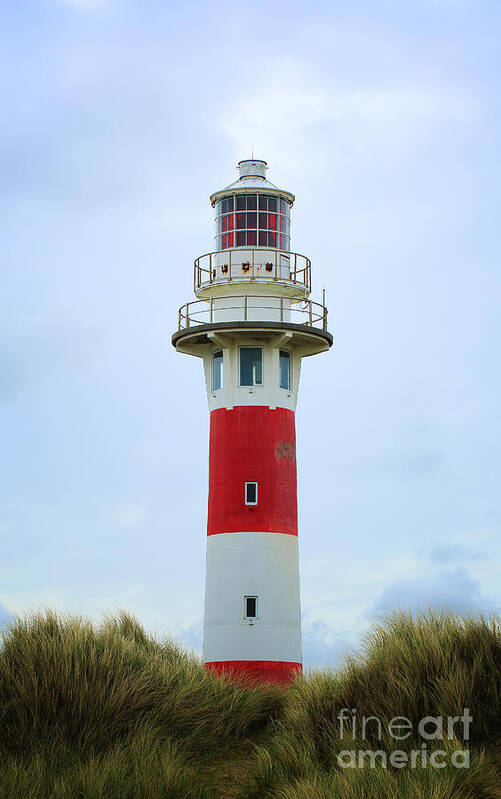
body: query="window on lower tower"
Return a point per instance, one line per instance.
(251, 607)
(251, 493)
(217, 370)
(285, 369)
(251, 366)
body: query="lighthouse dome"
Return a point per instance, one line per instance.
(252, 177)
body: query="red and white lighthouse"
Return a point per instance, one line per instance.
(252, 324)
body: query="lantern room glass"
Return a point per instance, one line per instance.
(252, 220)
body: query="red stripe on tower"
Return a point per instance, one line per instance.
(257, 670)
(250, 443)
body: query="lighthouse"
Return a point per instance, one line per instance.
(252, 323)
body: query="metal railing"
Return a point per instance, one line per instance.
(247, 264)
(252, 308)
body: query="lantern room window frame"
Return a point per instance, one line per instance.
(256, 220)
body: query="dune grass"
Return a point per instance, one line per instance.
(92, 712)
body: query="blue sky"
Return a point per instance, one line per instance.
(119, 119)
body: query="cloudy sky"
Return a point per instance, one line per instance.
(119, 118)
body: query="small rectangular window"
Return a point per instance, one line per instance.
(251, 493)
(217, 370)
(285, 369)
(251, 366)
(251, 607)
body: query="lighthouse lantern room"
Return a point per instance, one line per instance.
(252, 324)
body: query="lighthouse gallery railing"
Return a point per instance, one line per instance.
(247, 264)
(253, 308)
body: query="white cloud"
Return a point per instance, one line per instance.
(297, 102)
(130, 517)
(191, 636)
(5, 616)
(85, 5)
(454, 552)
(454, 590)
(322, 646)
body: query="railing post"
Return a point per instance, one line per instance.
(311, 313)
(295, 266)
(325, 319)
(245, 307)
(276, 264)
(229, 266)
(211, 309)
(281, 309)
(187, 306)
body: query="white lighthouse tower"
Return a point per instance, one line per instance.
(252, 324)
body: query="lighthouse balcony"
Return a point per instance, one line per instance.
(249, 308)
(290, 272)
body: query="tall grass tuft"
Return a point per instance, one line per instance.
(63, 680)
(108, 711)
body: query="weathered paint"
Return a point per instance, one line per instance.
(252, 443)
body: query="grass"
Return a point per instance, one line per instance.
(92, 712)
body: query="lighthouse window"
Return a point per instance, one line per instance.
(251, 366)
(239, 224)
(217, 370)
(285, 369)
(251, 493)
(251, 607)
